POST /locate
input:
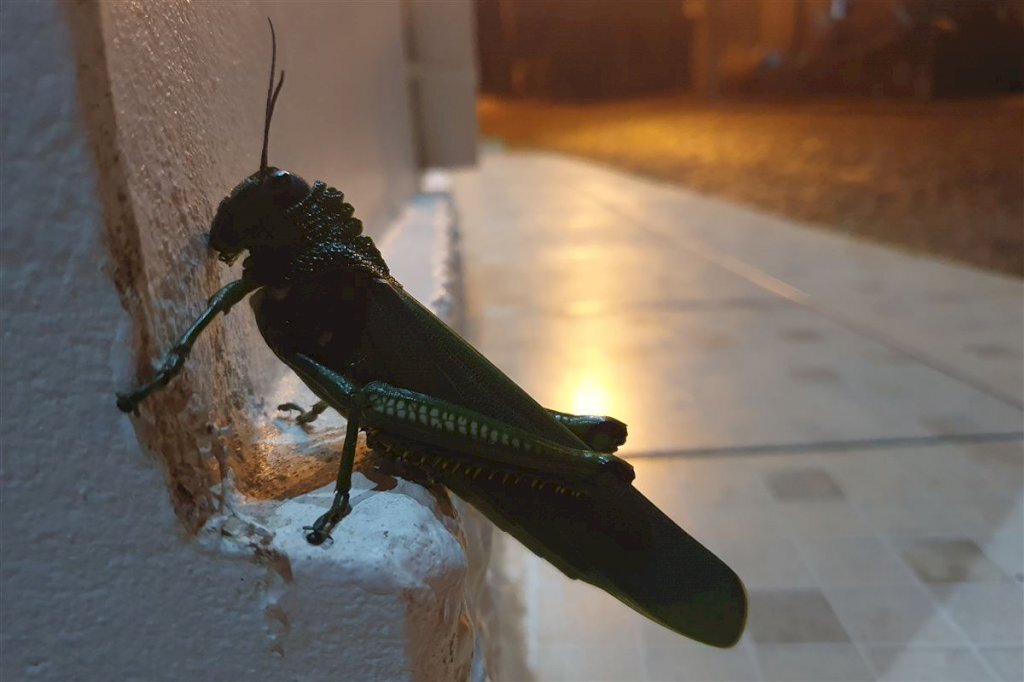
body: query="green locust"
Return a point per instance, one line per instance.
(328, 308)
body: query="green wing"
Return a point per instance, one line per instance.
(598, 529)
(406, 345)
(606, 533)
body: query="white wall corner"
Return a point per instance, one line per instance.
(443, 80)
(122, 127)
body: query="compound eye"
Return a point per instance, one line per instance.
(285, 189)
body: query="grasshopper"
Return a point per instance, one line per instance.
(327, 306)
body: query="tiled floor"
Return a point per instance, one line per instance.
(840, 422)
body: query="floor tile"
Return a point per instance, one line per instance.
(695, 379)
(694, 663)
(565, 611)
(793, 616)
(948, 561)
(802, 484)
(989, 613)
(862, 561)
(894, 615)
(706, 481)
(588, 663)
(763, 563)
(939, 516)
(731, 523)
(1008, 662)
(630, 280)
(820, 518)
(938, 664)
(941, 470)
(1002, 461)
(947, 313)
(1005, 547)
(812, 663)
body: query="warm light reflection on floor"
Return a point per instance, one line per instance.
(619, 297)
(590, 382)
(869, 167)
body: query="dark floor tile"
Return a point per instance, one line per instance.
(896, 615)
(793, 616)
(803, 484)
(949, 561)
(813, 663)
(814, 374)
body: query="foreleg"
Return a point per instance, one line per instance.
(220, 302)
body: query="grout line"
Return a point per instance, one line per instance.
(833, 445)
(532, 310)
(801, 298)
(751, 651)
(943, 614)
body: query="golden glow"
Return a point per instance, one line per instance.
(591, 396)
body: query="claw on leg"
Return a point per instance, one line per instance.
(127, 403)
(221, 302)
(321, 528)
(305, 416)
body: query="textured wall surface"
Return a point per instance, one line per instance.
(93, 556)
(102, 264)
(187, 87)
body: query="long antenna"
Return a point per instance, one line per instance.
(272, 94)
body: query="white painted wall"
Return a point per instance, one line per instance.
(187, 84)
(442, 47)
(122, 126)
